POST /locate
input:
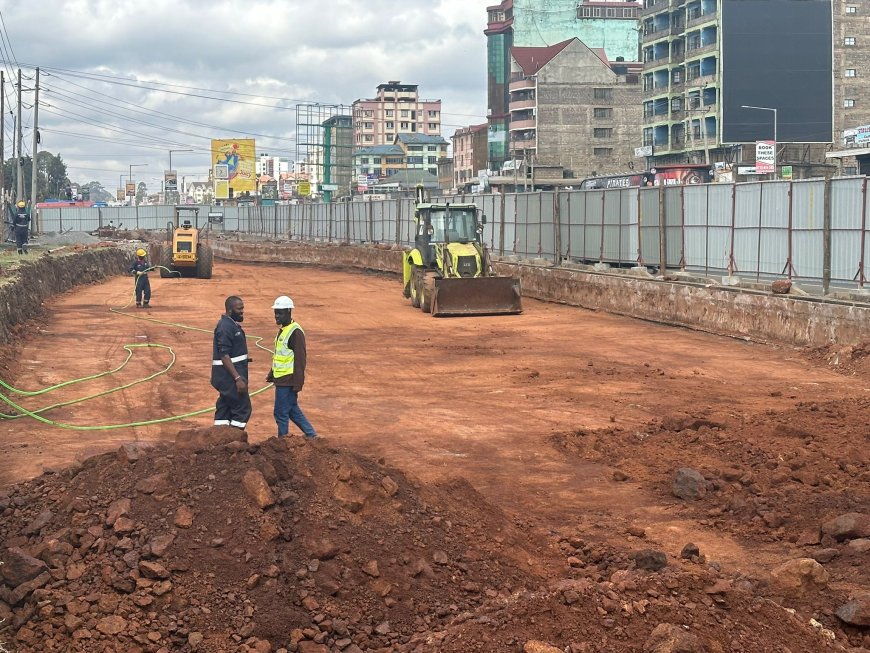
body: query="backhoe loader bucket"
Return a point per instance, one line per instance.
(480, 296)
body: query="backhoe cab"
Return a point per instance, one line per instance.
(186, 251)
(449, 272)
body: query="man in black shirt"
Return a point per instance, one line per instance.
(229, 367)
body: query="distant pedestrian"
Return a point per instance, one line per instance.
(229, 367)
(288, 370)
(21, 223)
(139, 269)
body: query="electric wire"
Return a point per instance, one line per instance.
(36, 414)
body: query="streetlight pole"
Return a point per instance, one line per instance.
(130, 178)
(775, 140)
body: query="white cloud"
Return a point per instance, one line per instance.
(279, 52)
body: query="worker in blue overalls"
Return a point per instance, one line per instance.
(139, 269)
(229, 367)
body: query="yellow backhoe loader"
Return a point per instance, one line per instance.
(186, 251)
(449, 272)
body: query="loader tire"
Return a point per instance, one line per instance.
(166, 262)
(416, 279)
(204, 262)
(427, 293)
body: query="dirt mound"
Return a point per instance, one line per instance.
(853, 360)
(215, 544)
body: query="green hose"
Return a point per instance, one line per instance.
(36, 414)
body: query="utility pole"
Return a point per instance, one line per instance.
(33, 169)
(2, 142)
(19, 189)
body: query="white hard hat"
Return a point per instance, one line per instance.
(283, 302)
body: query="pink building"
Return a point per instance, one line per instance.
(469, 155)
(397, 109)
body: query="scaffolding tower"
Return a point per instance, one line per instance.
(324, 145)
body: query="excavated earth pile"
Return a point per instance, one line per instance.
(214, 544)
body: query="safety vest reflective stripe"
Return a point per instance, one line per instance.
(234, 359)
(284, 358)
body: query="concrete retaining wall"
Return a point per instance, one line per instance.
(760, 316)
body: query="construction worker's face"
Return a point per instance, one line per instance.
(282, 316)
(237, 311)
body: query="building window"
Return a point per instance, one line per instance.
(367, 138)
(602, 93)
(389, 137)
(850, 72)
(850, 170)
(389, 124)
(389, 113)
(364, 160)
(602, 132)
(376, 159)
(404, 113)
(368, 125)
(851, 10)
(847, 103)
(368, 114)
(433, 114)
(433, 125)
(849, 40)
(403, 125)
(602, 112)
(602, 151)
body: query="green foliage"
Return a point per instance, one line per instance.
(51, 179)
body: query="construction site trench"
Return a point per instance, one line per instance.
(561, 480)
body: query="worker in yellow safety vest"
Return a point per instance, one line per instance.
(288, 370)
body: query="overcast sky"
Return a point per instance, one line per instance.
(122, 82)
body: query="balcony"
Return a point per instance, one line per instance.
(657, 89)
(655, 35)
(703, 80)
(653, 7)
(702, 50)
(676, 30)
(519, 105)
(523, 125)
(701, 19)
(678, 57)
(522, 84)
(520, 145)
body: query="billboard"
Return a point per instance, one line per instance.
(765, 157)
(239, 157)
(170, 181)
(858, 137)
(777, 54)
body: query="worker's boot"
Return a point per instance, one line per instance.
(138, 304)
(146, 304)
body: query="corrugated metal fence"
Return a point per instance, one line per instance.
(810, 230)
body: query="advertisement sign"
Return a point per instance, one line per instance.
(170, 181)
(858, 137)
(646, 150)
(765, 157)
(269, 191)
(221, 171)
(120, 195)
(787, 173)
(221, 189)
(304, 188)
(239, 157)
(131, 189)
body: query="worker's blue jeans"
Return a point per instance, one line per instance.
(287, 410)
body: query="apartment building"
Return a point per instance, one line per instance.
(469, 155)
(396, 109)
(607, 24)
(852, 87)
(721, 74)
(573, 109)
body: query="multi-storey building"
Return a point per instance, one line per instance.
(607, 24)
(469, 155)
(396, 109)
(422, 151)
(571, 108)
(378, 161)
(852, 84)
(688, 50)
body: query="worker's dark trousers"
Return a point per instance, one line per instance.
(231, 409)
(143, 289)
(21, 239)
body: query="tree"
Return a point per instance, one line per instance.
(141, 192)
(51, 177)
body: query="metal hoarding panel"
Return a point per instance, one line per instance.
(592, 229)
(510, 224)
(808, 217)
(650, 253)
(547, 234)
